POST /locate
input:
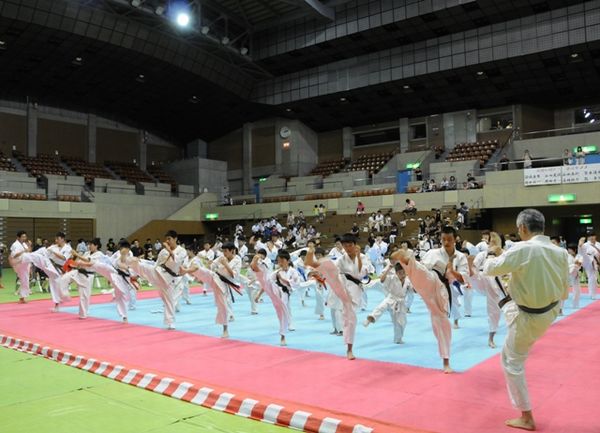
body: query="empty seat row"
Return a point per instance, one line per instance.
(371, 192)
(22, 196)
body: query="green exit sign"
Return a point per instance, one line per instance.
(585, 220)
(412, 166)
(211, 216)
(586, 149)
(561, 198)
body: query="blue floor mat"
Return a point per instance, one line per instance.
(469, 342)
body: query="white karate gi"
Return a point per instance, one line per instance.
(574, 278)
(21, 267)
(394, 302)
(435, 295)
(115, 260)
(208, 256)
(539, 276)
(294, 279)
(166, 283)
(266, 279)
(589, 254)
(57, 286)
(490, 287)
(84, 282)
(103, 265)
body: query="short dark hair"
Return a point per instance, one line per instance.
(21, 233)
(303, 253)
(171, 234)
(348, 238)
(320, 251)
(283, 254)
(449, 230)
(96, 241)
(124, 244)
(262, 252)
(228, 246)
(60, 235)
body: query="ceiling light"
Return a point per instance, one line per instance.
(479, 73)
(160, 9)
(77, 61)
(406, 87)
(136, 3)
(183, 19)
(588, 114)
(193, 100)
(205, 30)
(243, 51)
(141, 78)
(574, 55)
(342, 99)
(289, 110)
(225, 40)
(2, 45)
(592, 121)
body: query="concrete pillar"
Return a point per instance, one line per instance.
(92, 124)
(32, 128)
(247, 182)
(348, 141)
(143, 149)
(404, 130)
(197, 149)
(449, 132)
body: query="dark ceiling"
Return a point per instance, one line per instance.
(37, 62)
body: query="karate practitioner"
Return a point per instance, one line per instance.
(21, 267)
(590, 253)
(431, 280)
(344, 278)
(58, 253)
(82, 278)
(116, 276)
(396, 286)
(539, 280)
(164, 274)
(184, 287)
(491, 287)
(268, 282)
(223, 279)
(575, 261)
(458, 264)
(207, 255)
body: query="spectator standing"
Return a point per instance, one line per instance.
(580, 155)
(527, 163)
(504, 162)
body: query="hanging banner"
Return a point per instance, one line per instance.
(581, 173)
(542, 176)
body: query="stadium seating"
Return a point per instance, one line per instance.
(22, 196)
(327, 168)
(129, 172)
(371, 162)
(323, 196)
(162, 176)
(73, 198)
(6, 164)
(481, 151)
(88, 170)
(41, 164)
(371, 192)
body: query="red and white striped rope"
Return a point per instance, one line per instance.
(203, 396)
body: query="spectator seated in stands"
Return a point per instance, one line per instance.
(418, 174)
(360, 209)
(472, 182)
(444, 184)
(410, 208)
(452, 183)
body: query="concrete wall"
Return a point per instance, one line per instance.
(202, 173)
(552, 147)
(12, 181)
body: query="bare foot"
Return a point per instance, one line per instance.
(321, 317)
(492, 344)
(282, 342)
(350, 355)
(448, 370)
(368, 321)
(231, 318)
(225, 334)
(456, 324)
(125, 320)
(22, 301)
(521, 423)
(399, 341)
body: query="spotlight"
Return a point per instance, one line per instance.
(289, 110)
(225, 40)
(183, 19)
(77, 61)
(160, 9)
(592, 121)
(588, 114)
(574, 55)
(480, 73)
(243, 51)
(2, 45)
(136, 3)
(141, 78)
(406, 87)
(343, 99)
(205, 30)
(193, 100)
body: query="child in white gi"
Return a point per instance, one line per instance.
(396, 285)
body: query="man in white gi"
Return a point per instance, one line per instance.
(575, 261)
(377, 253)
(207, 255)
(431, 279)
(590, 253)
(539, 280)
(337, 251)
(344, 277)
(165, 274)
(21, 267)
(58, 253)
(396, 286)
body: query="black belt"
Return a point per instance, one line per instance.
(283, 287)
(351, 278)
(84, 272)
(446, 283)
(230, 284)
(169, 271)
(538, 310)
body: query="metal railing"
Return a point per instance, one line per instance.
(575, 129)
